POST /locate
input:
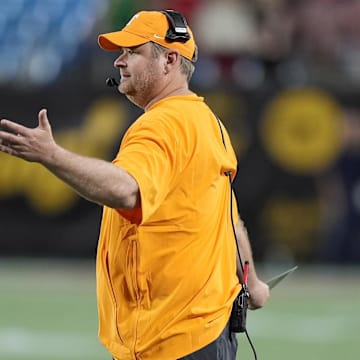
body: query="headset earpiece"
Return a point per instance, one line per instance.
(178, 27)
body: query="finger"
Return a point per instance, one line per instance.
(43, 120)
(12, 127)
(6, 148)
(8, 137)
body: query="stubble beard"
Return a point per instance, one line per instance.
(140, 88)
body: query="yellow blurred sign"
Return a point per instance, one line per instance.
(301, 130)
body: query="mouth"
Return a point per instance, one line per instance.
(124, 76)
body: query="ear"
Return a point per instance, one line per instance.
(172, 58)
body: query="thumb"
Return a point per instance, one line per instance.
(43, 120)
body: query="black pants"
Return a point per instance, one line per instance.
(223, 348)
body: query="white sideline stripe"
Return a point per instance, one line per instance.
(45, 345)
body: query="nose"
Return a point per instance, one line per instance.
(120, 61)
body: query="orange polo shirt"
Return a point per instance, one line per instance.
(166, 272)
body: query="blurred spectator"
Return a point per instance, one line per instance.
(317, 29)
(276, 24)
(327, 38)
(225, 27)
(224, 30)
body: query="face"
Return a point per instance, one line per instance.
(141, 73)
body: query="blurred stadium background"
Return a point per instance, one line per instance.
(284, 76)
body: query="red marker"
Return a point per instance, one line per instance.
(246, 272)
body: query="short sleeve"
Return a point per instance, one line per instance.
(148, 154)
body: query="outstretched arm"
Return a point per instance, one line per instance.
(259, 291)
(94, 179)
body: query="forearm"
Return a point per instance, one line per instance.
(94, 179)
(245, 252)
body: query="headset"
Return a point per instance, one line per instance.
(177, 27)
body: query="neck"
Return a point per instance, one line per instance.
(180, 91)
(171, 85)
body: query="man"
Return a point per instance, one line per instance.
(166, 260)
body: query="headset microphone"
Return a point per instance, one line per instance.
(110, 81)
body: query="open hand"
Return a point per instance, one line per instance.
(26, 143)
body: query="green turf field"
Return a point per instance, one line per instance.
(48, 311)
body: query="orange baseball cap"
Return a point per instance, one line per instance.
(148, 26)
